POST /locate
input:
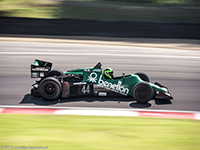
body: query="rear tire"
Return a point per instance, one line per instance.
(143, 92)
(55, 72)
(50, 88)
(143, 76)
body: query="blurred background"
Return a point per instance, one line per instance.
(112, 18)
(163, 11)
(157, 37)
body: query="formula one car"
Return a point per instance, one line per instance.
(55, 84)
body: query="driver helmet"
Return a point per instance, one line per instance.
(108, 73)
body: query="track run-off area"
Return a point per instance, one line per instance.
(176, 68)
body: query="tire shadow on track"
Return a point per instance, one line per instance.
(147, 105)
(137, 105)
(29, 99)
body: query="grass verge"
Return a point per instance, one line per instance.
(96, 132)
(99, 10)
(28, 8)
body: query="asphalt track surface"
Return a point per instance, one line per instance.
(177, 69)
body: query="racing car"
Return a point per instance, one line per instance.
(55, 84)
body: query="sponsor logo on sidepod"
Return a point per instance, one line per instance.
(113, 87)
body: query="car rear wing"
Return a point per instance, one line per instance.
(40, 68)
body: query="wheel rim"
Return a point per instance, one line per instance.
(142, 93)
(50, 89)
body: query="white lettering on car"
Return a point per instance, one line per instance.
(40, 69)
(93, 77)
(86, 90)
(106, 84)
(97, 70)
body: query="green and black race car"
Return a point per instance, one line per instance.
(55, 84)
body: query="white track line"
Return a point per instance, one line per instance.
(98, 112)
(99, 108)
(197, 116)
(1, 109)
(96, 54)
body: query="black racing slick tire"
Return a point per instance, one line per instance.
(143, 76)
(143, 92)
(50, 88)
(55, 72)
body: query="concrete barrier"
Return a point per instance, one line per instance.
(72, 27)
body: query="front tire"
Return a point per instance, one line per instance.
(143, 93)
(50, 88)
(143, 76)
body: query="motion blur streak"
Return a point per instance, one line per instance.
(94, 54)
(177, 69)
